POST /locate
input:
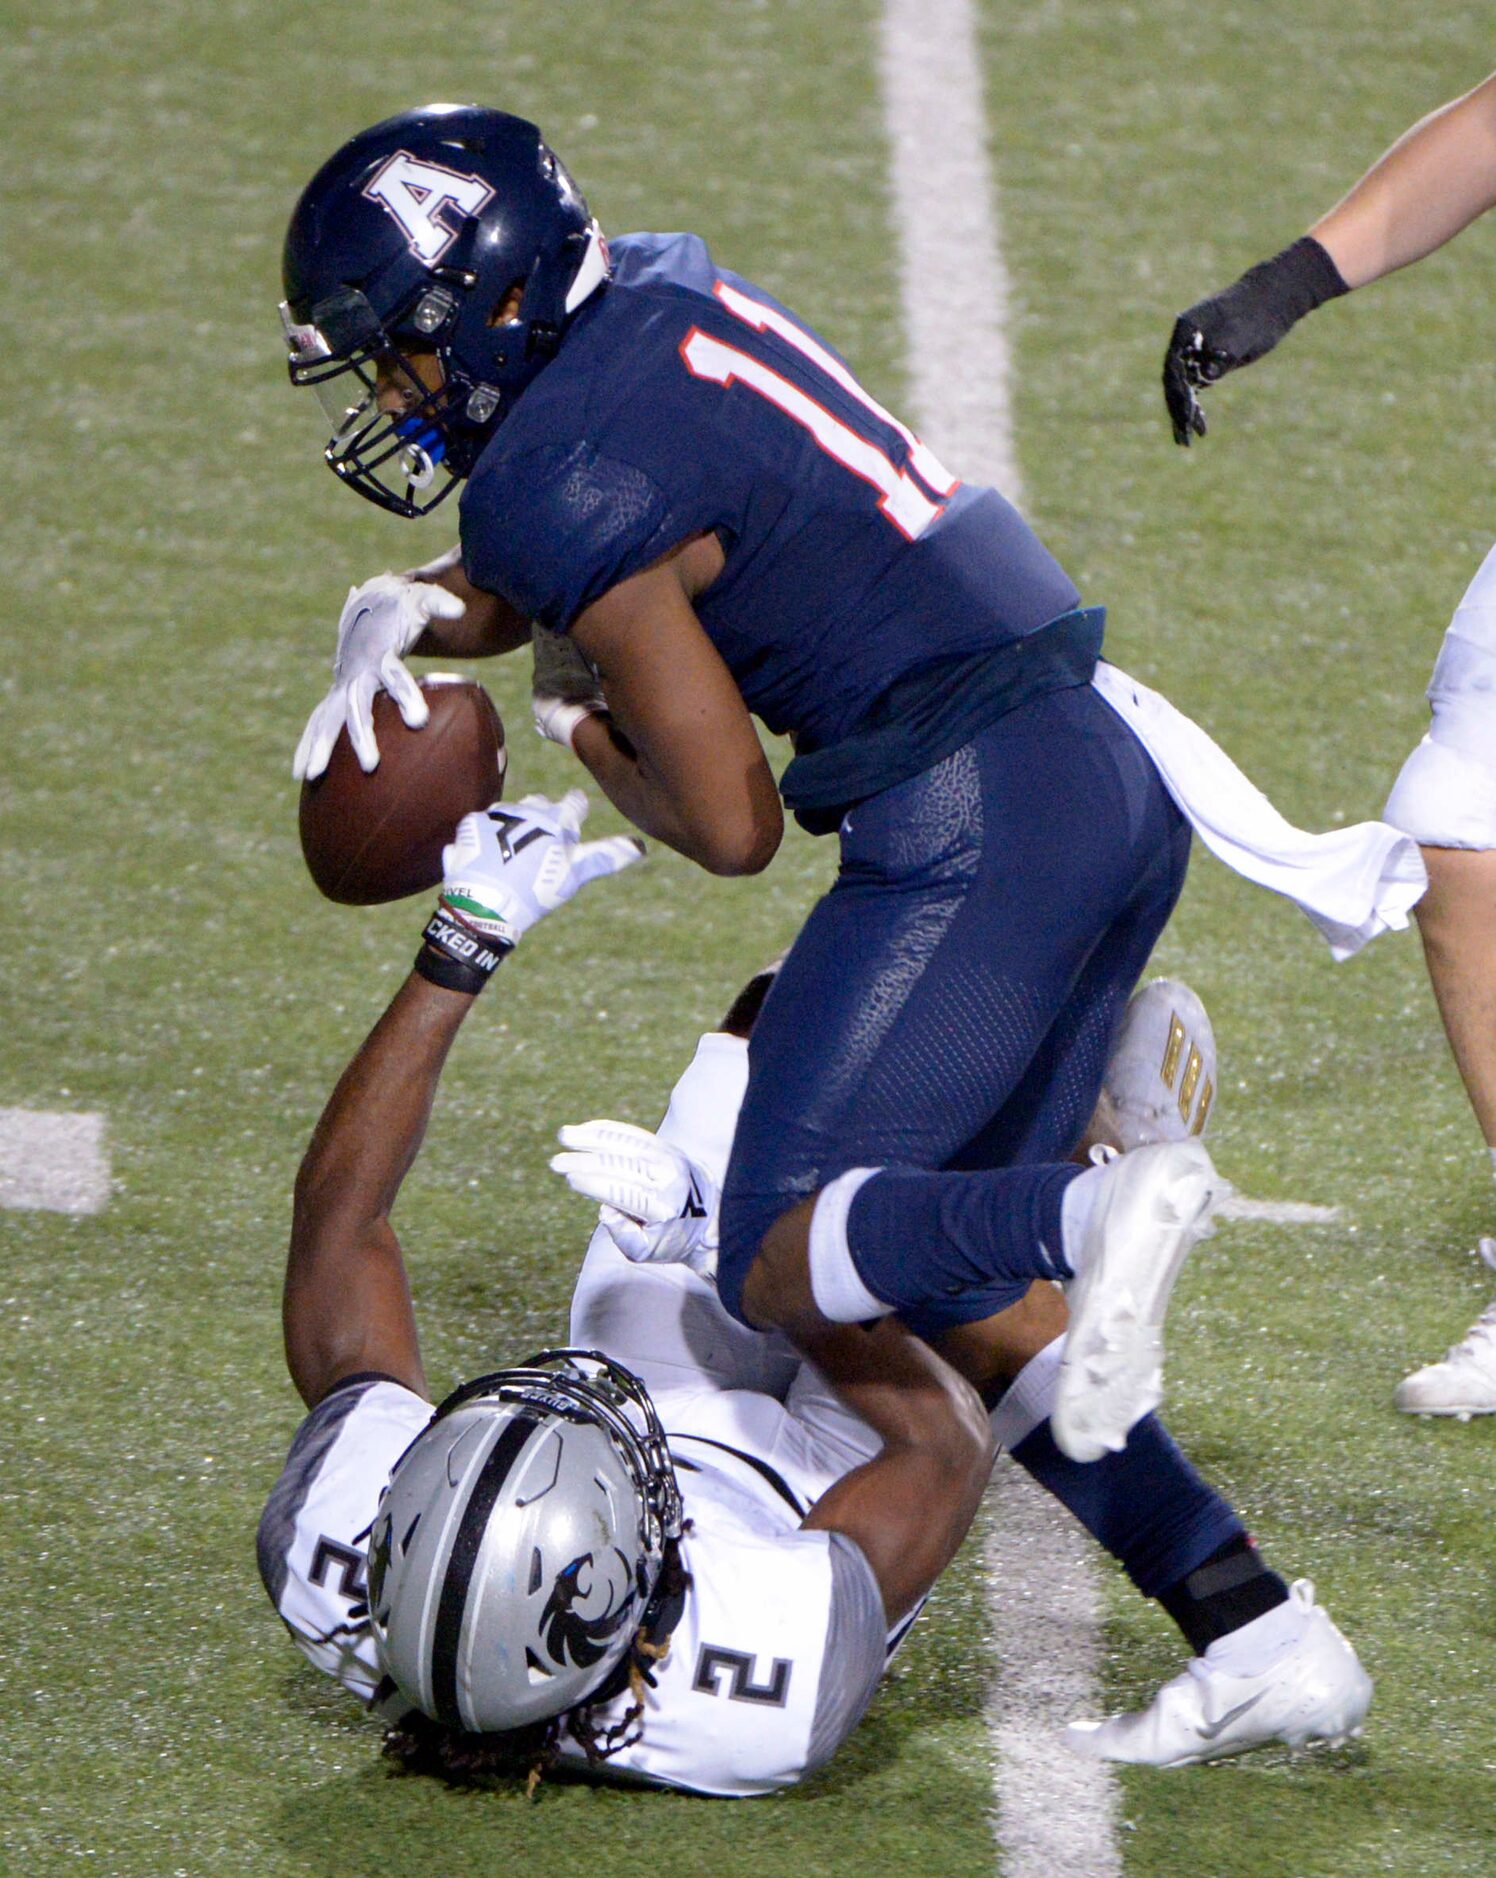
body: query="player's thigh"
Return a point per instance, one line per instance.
(669, 1327)
(967, 905)
(1046, 1116)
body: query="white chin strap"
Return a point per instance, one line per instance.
(595, 268)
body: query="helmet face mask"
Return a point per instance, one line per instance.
(413, 238)
(520, 1543)
(397, 459)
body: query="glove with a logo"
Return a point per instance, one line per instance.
(659, 1207)
(565, 687)
(381, 620)
(1235, 327)
(506, 867)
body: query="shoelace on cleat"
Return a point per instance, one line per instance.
(1480, 1340)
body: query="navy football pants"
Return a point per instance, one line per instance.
(950, 1003)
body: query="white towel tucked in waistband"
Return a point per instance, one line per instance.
(1353, 882)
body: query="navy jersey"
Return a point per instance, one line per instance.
(684, 400)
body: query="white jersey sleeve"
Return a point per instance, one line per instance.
(316, 1522)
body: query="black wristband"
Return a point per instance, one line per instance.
(457, 957)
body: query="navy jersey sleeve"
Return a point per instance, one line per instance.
(567, 524)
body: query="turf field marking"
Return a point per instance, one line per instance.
(1055, 1813)
(953, 287)
(53, 1163)
(1277, 1212)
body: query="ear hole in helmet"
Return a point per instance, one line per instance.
(410, 1533)
(535, 1669)
(508, 304)
(536, 1571)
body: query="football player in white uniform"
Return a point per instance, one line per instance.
(687, 1559)
(1433, 182)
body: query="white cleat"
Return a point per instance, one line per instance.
(1151, 1208)
(1464, 1382)
(1313, 1689)
(1160, 1078)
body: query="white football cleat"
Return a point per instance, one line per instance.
(1160, 1082)
(1463, 1383)
(1312, 1690)
(1151, 1207)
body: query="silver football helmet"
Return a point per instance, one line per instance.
(520, 1540)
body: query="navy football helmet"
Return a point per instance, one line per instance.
(410, 238)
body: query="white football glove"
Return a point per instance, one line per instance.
(380, 620)
(511, 864)
(565, 687)
(659, 1207)
(433, 570)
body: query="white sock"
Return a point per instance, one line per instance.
(1256, 1646)
(839, 1293)
(1075, 1213)
(1492, 1152)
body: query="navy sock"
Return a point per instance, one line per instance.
(1146, 1505)
(976, 1233)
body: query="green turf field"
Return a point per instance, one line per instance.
(176, 556)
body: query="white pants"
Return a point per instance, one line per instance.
(1445, 795)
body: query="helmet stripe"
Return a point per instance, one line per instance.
(452, 1608)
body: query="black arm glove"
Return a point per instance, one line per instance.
(1235, 327)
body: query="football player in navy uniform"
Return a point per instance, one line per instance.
(678, 1552)
(1436, 179)
(664, 465)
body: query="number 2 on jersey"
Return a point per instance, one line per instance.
(900, 496)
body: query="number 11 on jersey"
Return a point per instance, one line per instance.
(908, 505)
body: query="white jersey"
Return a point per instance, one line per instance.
(782, 1636)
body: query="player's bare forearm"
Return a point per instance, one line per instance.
(347, 1302)
(682, 759)
(489, 625)
(1434, 181)
(653, 808)
(910, 1508)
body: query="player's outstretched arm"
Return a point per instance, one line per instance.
(347, 1304)
(1434, 181)
(910, 1507)
(678, 753)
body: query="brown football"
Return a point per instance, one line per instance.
(380, 837)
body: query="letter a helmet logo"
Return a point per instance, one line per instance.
(417, 195)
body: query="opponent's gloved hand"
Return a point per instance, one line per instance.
(506, 867)
(659, 1207)
(380, 620)
(1235, 327)
(565, 687)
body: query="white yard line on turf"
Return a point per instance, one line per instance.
(53, 1163)
(1056, 1815)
